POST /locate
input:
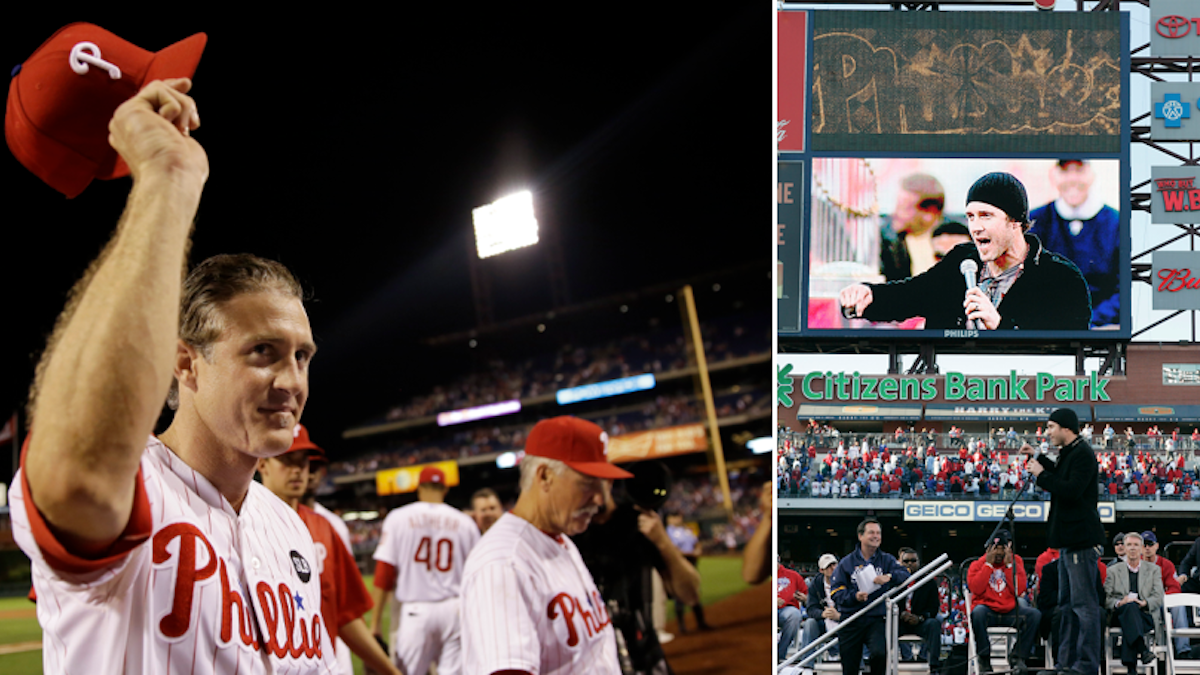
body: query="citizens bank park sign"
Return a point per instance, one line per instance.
(842, 386)
(976, 512)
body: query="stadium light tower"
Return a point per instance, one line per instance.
(505, 225)
(508, 224)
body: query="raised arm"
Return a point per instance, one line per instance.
(682, 581)
(756, 557)
(101, 383)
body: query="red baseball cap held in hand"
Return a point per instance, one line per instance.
(62, 97)
(578, 443)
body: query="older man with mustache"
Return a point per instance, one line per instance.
(529, 604)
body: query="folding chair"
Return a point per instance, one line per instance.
(1112, 640)
(1003, 639)
(1192, 601)
(920, 666)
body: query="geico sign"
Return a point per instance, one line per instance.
(939, 511)
(1176, 26)
(1035, 511)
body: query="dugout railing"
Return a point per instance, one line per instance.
(807, 654)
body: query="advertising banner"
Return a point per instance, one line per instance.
(657, 443)
(404, 479)
(977, 512)
(1001, 413)
(1174, 115)
(792, 84)
(1175, 276)
(789, 237)
(1174, 194)
(1175, 28)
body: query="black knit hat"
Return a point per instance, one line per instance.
(1001, 538)
(1065, 418)
(1003, 191)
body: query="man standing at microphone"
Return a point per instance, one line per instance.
(1075, 530)
(1001, 280)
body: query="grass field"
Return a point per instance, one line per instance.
(721, 577)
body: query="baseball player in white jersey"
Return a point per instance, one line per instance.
(529, 605)
(422, 551)
(486, 508)
(162, 554)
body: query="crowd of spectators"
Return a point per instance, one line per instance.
(439, 444)
(659, 352)
(822, 462)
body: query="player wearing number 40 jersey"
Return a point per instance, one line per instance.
(421, 555)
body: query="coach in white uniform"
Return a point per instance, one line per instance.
(155, 555)
(529, 605)
(420, 557)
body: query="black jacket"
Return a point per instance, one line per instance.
(894, 261)
(1050, 294)
(1192, 559)
(925, 601)
(1072, 484)
(816, 596)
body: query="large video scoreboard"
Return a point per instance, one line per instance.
(885, 121)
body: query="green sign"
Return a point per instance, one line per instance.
(842, 386)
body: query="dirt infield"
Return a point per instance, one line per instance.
(740, 641)
(30, 613)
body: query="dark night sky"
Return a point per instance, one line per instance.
(353, 146)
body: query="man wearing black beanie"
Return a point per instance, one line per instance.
(1075, 530)
(1017, 283)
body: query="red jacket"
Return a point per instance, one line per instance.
(786, 586)
(992, 587)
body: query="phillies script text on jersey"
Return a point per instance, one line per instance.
(278, 604)
(199, 587)
(568, 607)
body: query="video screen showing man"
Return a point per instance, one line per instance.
(1079, 225)
(906, 247)
(1006, 280)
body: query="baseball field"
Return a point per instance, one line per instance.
(735, 611)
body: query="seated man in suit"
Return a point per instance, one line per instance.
(995, 582)
(1133, 594)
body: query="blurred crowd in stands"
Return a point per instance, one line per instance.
(661, 352)
(823, 462)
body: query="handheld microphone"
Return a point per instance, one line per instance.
(969, 269)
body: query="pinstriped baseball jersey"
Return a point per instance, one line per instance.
(530, 604)
(192, 587)
(428, 544)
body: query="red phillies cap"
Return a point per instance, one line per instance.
(301, 441)
(432, 474)
(578, 443)
(63, 96)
